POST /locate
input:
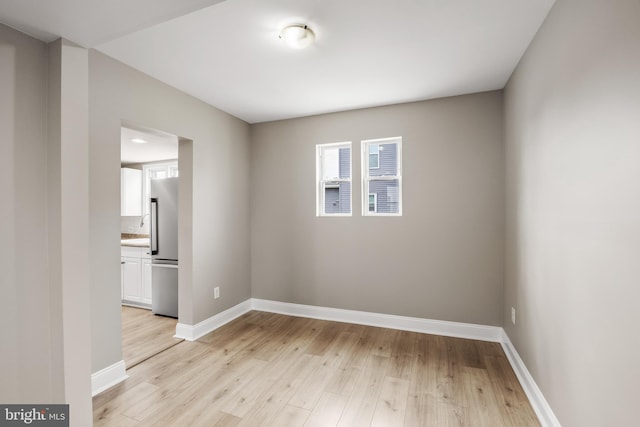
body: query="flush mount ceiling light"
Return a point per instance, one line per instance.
(297, 36)
(139, 141)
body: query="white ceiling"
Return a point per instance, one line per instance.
(89, 22)
(368, 52)
(159, 145)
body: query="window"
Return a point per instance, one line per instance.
(382, 177)
(333, 176)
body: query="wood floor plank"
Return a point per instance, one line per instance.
(512, 401)
(273, 399)
(198, 393)
(449, 414)
(421, 409)
(343, 380)
(111, 410)
(383, 340)
(327, 411)
(448, 378)
(145, 334)
(328, 333)
(400, 366)
(217, 419)
(392, 403)
(265, 369)
(309, 393)
(480, 399)
(281, 385)
(422, 401)
(468, 353)
(119, 421)
(297, 333)
(290, 416)
(487, 348)
(362, 402)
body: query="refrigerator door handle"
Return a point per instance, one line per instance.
(154, 226)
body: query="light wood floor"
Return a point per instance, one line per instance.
(266, 369)
(144, 334)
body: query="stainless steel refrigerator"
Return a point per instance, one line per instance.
(164, 246)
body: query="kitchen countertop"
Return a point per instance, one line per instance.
(139, 242)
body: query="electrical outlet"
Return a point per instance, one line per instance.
(513, 315)
(216, 292)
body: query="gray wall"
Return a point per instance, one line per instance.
(44, 215)
(68, 226)
(25, 351)
(573, 210)
(214, 196)
(441, 260)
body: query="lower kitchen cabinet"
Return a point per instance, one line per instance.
(131, 279)
(135, 280)
(146, 281)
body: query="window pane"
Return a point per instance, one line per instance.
(386, 195)
(330, 163)
(372, 203)
(386, 163)
(334, 179)
(336, 163)
(344, 160)
(337, 197)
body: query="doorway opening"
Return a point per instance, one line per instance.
(149, 261)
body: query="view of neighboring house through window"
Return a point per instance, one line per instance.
(333, 172)
(374, 156)
(382, 176)
(373, 202)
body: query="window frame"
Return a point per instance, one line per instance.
(366, 178)
(320, 183)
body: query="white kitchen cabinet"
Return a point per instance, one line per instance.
(131, 269)
(136, 275)
(130, 192)
(146, 281)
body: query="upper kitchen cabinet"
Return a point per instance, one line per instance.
(130, 192)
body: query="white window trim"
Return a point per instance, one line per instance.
(366, 178)
(320, 183)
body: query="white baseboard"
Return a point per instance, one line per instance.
(135, 304)
(413, 324)
(108, 377)
(536, 398)
(193, 332)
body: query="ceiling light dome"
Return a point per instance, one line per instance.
(297, 36)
